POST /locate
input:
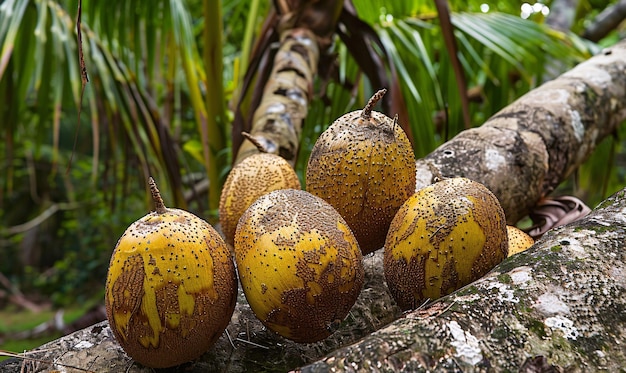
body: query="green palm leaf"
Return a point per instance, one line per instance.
(128, 50)
(492, 48)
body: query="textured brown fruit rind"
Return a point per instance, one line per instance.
(365, 168)
(171, 288)
(247, 181)
(444, 237)
(518, 240)
(299, 264)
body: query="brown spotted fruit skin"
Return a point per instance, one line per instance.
(365, 168)
(518, 240)
(444, 237)
(299, 264)
(171, 288)
(248, 180)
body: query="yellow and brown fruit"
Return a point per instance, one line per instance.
(299, 264)
(444, 237)
(518, 240)
(364, 166)
(171, 287)
(256, 175)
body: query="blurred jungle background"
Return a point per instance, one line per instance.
(167, 80)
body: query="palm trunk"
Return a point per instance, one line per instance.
(305, 30)
(607, 21)
(278, 120)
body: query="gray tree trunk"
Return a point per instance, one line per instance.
(524, 151)
(560, 305)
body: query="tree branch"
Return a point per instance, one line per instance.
(524, 151)
(39, 218)
(606, 21)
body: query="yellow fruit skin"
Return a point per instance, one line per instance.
(171, 288)
(366, 170)
(247, 181)
(445, 236)
(299, 264)
(518, 240)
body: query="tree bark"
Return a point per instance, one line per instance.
(524, 151)
(305, 30)
(278, 120)
(559, 306)
(562, 14)
(607, 21)
(563, 300)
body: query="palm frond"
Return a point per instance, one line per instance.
(11, 16)
(135, 52)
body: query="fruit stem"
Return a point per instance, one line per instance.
(156, 197)
(262, 148)
(366, 113)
